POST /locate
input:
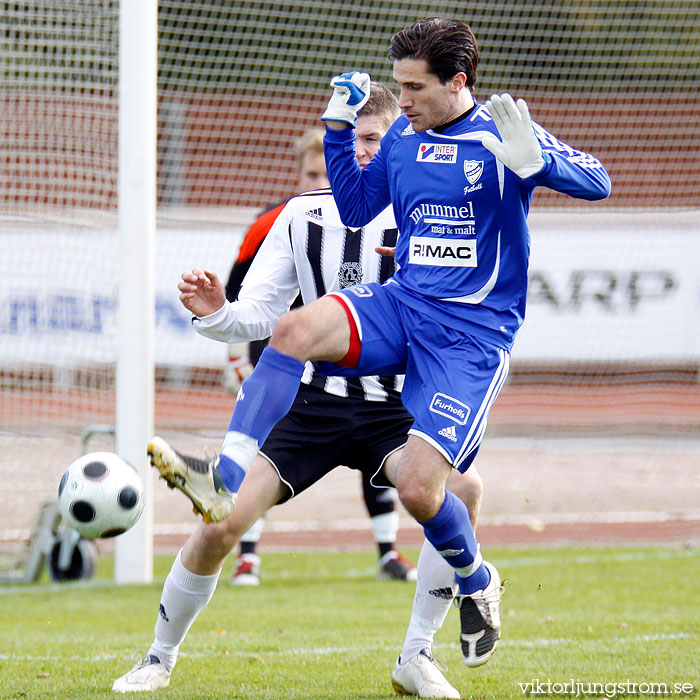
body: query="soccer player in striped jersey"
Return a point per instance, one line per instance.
(357, 421)
(242, 357)
(312, 175)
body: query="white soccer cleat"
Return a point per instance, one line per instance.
(197, 478)
(480, 620)
(247, 571)
(148, 674)
(421, 676)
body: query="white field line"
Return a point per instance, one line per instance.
(594, 557)
(504, 563)
(362, 649)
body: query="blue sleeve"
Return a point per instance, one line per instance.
(570, 171)
(361, 195)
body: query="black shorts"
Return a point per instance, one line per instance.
(322, 431)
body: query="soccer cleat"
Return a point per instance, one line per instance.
(148, 674)
(247, 571)
(394, 566)
(480, 620)
(423, 677)
(198, 479)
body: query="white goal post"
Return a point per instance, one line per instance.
(138, 55)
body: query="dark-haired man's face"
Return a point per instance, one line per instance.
(426, 101)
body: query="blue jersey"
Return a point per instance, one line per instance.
(464, 245)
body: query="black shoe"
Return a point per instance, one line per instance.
(394, 566)
(480, 620)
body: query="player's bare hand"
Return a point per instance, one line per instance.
(201, 292)
(385, 250)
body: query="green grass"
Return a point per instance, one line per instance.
(321, 627)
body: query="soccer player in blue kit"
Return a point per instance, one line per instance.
(460, 176)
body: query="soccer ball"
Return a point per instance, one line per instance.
(100, 495)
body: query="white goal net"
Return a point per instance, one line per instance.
(602, 410)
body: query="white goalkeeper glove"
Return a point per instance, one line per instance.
(351, 91)
(238, 369)
(519, 150)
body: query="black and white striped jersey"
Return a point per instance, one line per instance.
(309, 250)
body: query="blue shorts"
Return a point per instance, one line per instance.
(452, 378)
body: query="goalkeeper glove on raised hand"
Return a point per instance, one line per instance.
(519, 150)
(351, 91)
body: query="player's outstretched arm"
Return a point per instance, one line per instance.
(350, 93)
(519, 150)
(201, 292)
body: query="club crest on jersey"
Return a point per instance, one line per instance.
(437, 153)
(349, 274)
(447, 406)
(361, 290)
(473, 170)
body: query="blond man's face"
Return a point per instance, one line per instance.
(312, 172)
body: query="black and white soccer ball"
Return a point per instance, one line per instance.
(100, 495)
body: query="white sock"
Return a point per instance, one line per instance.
(253, 535)
(241, 448)
(385, 527)
(184, 596)
(435, 589)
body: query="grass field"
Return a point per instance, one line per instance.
(321, 627)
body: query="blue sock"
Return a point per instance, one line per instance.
(451, 533)
(231, 473)
(476, 582)
(265, 397)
